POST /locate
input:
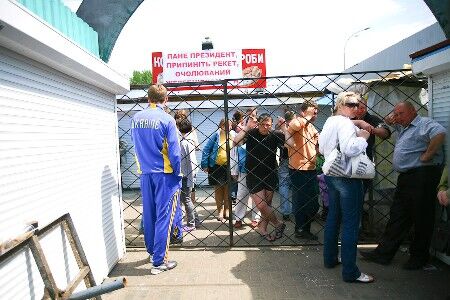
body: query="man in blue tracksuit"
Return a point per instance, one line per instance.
(157, 150)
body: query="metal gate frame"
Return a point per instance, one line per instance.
(289, 91)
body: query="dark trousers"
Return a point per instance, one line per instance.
(413, 205)
(305, 190)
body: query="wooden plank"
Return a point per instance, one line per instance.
(78, 249)
(75, 282)
(43, 267)
(13, 246)
(73, 245)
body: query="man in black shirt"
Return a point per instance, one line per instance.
(372, 124)
(262, 178)
(376, 127)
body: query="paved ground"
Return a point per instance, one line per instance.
(271, 273)
(213, 233)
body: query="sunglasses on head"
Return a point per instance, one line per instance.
(352, 105)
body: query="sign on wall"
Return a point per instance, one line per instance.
(248, 65)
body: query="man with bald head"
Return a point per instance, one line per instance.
(418, 157)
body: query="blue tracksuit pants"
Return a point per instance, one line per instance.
(160, 200)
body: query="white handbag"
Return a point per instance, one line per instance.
(362, 166)
(336, 165)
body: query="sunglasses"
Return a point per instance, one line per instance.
(352, 105)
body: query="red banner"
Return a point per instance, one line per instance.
(254, 66)
(211, 65)
(157, 66)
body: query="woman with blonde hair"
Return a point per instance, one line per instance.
(345, 193)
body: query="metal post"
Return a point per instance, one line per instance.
(227, 145)
(371, 200)
(355, 34)
(98, 290)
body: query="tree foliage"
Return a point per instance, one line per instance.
(141, 77)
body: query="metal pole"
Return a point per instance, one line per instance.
(228, 149)
(101, 289)
(352, 35)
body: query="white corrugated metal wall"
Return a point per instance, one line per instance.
(440, 94)
(58, 154)
(127, 161)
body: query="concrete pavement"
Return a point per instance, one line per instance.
(271, 273)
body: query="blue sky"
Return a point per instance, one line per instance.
(300, 37)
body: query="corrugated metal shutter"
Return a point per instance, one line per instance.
(130, 179)
(440, 93)
(58, 154)
(206, 121)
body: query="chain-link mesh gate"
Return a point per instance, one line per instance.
(205, 104)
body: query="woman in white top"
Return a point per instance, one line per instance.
(345, 194)
(191, 136)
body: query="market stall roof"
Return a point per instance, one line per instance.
(25, 33)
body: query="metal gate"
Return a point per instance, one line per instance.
(205, 104)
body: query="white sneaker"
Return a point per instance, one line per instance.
(364, 278)
(163, 267)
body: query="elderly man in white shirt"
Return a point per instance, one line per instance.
(418, 157)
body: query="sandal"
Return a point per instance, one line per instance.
(267, 236)
(238, 224)
(279, 231)
(364, 278)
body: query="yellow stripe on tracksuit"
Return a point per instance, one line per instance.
(165, 155)
(139, 171)
(169, 230)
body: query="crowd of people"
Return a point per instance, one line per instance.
(262, 160)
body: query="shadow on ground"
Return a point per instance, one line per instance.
(271, 273)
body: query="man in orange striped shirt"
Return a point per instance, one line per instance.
(302, 149)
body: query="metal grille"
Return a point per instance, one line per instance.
(206, 103)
